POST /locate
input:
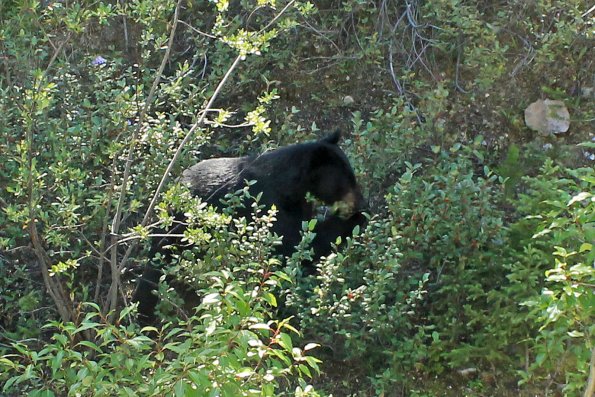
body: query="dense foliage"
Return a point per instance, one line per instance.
(474, 275)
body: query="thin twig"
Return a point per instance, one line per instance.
(199, 122)
(529, 56)
(175, 158)
(247, 24)
(401, 90)
(139, 237)
(198, 31)
(458, 65)
(53, 286)
(204, 68)
(382, 19)
(415, 49)
(90, 244)
(321, 35)
(217, 124)
(274, 20)
(125, 23)
(115, 284)
(590, 10)
(187, 138)
(104, 226)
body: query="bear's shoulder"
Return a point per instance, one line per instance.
(206, 176)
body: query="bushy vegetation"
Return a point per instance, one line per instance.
(474, 275)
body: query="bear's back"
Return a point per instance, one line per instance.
(212, 179)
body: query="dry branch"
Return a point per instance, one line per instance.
(53, 286)
(115, 274)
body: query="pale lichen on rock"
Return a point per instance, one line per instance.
(547, 117)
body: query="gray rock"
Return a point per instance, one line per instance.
(547, 117)
(348, 100)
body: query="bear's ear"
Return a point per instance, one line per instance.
(333, 138)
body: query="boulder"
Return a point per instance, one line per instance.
(547, 117)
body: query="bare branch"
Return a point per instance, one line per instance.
(590, 10)
(458, 65)
(274, 20)
(115, 284)
(187, 138)
(53, 286)
(198, 31)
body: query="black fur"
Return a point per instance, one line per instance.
(284, 177)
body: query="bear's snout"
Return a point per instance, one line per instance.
(354, 202)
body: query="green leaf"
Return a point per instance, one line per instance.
(179, 389)
(579, 197)
(175, 347)
(576, 334)
(270, 299)
(311, 346)
(313, 363)
(87, 325)
(305, 370)
(90, 345)
(149, 329)
(11, 381)
(290, 327)
(125, 312)
(211, 298)
(244, 373)
(260, 326)
(283, 276)
(284, 341)
(200, 379)
(42, 393)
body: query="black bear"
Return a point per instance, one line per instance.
(284, 177)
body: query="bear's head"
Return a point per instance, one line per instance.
(331, 178)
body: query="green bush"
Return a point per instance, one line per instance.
(411, 292)
(565, 226)
(451, 227)
(450, 273)
(229, 344)
(361, 308)
(226, 349)
(19, 307)
(89, 133)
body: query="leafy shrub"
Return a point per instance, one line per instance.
(410, 292)
(381, 146)
(225, 350)
(361, 308)
(228, 345)
(20, 299)
(450, 227)
(215, 241)
(84, 144)
(565, 227)
(89, 131)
